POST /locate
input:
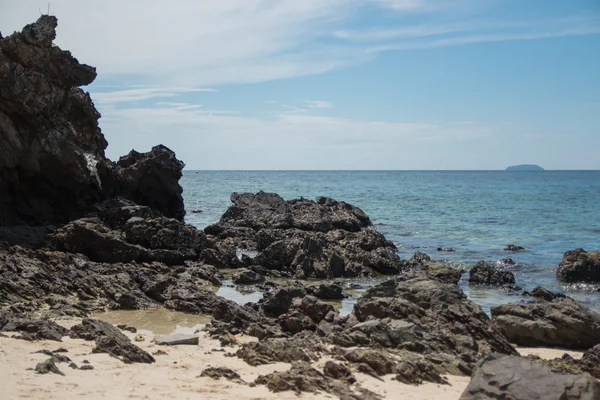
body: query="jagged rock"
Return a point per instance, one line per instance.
(73, 283)
(434, 270)
(47, 367)
(329, 291)
(279, 302)
(579, 266)
(280, 350)
(31, 329)
(561, 322)
(484, 274)
(338, 371)
(247, 277)
(52, 161)
(301, 377)
(109, 339)
(542, 294)
(429, 317)
(513, 247)
(303, 238)
(143, 240)
(446, 249)
(221, 372)
(510, 377)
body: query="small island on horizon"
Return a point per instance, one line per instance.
(524, 167)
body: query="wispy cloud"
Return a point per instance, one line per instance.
(318, 104)
(139, 94)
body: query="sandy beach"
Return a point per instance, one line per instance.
(176, 375)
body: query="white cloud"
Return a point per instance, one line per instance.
(129, 95)
(318, 104)
(208, 139)
(208, 43)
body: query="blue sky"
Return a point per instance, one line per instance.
(341, 84)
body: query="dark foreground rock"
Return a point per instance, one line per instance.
(304, 238)
(222, 372)
(511, 377)
(48, 366)
(52, 161)
(109, 339)
(561, 322)
(589, 363)
(484, 274)
(31, 329)
(301, 377)
(579, 266)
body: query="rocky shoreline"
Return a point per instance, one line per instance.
(81, 234)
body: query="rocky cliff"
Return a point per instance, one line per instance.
(52, 161)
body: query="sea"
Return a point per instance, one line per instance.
(476, 213)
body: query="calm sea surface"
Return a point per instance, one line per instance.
(474, 212)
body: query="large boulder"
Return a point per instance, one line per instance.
(52, 161)
(484, 274)
(426, 316)
(500, 377)
(560, 322)
(579, 266)
(303, 238)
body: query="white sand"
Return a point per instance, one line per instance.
(173, 376)
(176, 375)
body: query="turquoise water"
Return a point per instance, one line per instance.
(475, 212)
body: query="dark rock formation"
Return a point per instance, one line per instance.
(434, 270)
(579, 266)
(513, 247)
(304, 238)
(589, 363)
(52, 161)
(221, 372)
(561, 322)
(329, 291)
(425, 316)
(510, 377)
(109, 339)
(301, 377)
(484, 274)
(48, 366)
(247, 277)
(71, 284)
(31, 329)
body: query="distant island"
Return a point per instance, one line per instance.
(524, 167)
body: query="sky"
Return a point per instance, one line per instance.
(340, 84)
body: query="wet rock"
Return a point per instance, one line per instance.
(513, 247)
(484, 274)
(47, 367)
(510, 377)
(434, 270)
(109, 339)
(329, 291)
(562, 323)
(280, 300)
(221, 372)
(247, 277)
(543, 294)
(177, 339)
(508, 261)
(579, 266)
(446, 249)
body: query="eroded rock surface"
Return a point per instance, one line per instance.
(52, 161)
(305, 238)
(560, 322)
(510, 377)
(579, 266)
